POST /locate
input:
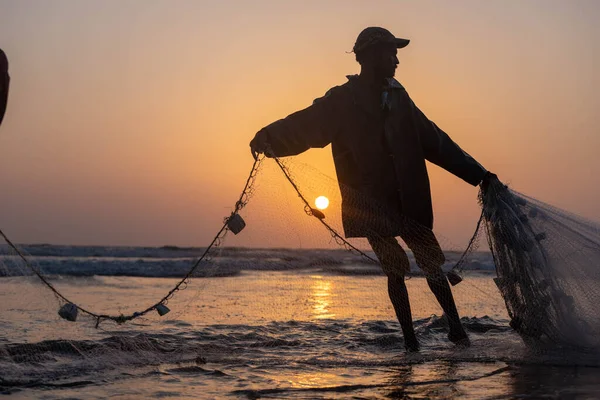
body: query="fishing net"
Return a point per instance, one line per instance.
(61, 317)
(548, 268)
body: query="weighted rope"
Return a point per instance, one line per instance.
(241, 203)
(243, 200)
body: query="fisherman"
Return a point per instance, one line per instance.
(4, 81)
(380, 141)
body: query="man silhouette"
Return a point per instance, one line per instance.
(380, 141)
(4, 81)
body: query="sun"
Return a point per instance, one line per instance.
(322, 202)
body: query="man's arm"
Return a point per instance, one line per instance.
(4, 83)
(314, 126)
(439, 149)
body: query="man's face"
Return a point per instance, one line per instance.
(388, 61)
(3, 62)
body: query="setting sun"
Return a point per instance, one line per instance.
(322, 202)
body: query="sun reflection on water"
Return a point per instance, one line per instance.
(315, 379)
(320, 297)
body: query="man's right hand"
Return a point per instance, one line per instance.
(259, 144)
(488, 178)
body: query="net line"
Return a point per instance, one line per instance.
(242, 201)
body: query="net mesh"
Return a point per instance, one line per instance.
(546, 262)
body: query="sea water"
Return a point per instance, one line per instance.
(258, 330)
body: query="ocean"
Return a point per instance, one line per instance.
(261, 323)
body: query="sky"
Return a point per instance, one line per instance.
(129, 120)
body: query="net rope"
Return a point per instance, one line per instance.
(244, 197)
(546, 260)
(243, 200)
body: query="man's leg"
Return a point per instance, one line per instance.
(395, 264)
(430, 258)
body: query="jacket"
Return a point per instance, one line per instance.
(379, 149)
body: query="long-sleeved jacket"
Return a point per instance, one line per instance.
(4, 82)
(379, 152)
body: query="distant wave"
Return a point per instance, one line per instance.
(171, 261)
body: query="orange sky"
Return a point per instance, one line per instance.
(129, 121)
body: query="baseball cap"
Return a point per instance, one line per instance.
(375, 35)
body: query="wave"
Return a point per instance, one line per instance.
(170, 261)
(212, 349)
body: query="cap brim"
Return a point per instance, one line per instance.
(400, 43)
